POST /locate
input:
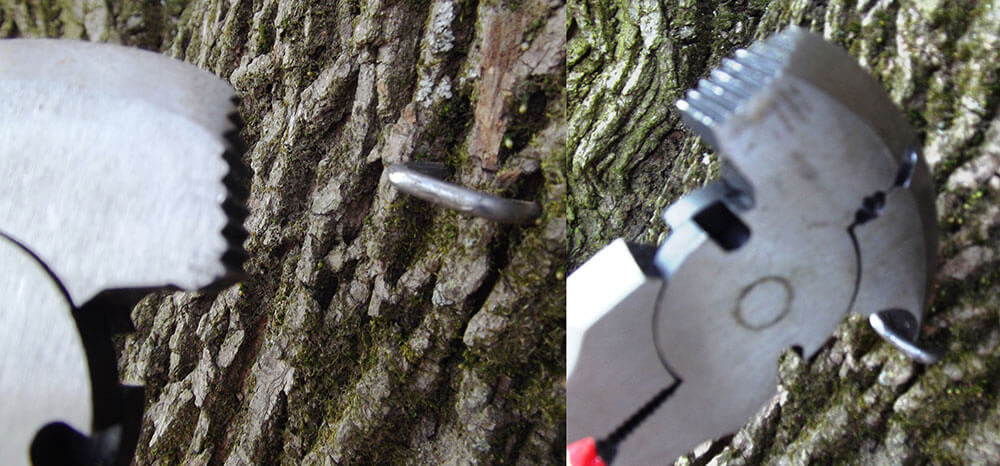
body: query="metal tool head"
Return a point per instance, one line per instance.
(123, 175)
(824, 207)
(42, 354)
(123, 166)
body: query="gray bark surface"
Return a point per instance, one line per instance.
(374, 328)
(858, 401)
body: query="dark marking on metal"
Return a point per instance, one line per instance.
(803, 167)
(739, 312)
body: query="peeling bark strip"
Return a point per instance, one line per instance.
(500, 48)
(374, 328)
(859, 401)
(515, 45)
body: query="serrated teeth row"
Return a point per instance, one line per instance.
(736, 80)
(237, 182)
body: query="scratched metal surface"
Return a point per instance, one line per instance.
(43, 366)
(115, 166)
(807, 147)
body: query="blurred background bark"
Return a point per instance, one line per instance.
(859, 401)
(374, 328)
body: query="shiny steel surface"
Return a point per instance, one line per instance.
(899, 328)
(43, 365)
(114, 164)
(421, 179)
(612, 366)
(122, 174)
(824, 208)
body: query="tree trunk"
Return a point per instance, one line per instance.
(859, 400)
(373, 328)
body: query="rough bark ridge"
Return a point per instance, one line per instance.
(374, 328)
(858, 401)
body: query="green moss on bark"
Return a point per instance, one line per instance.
(347, 340)
(858, 400)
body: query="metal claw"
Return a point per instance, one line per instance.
(421, 179)
(825, 207)
(899, 327)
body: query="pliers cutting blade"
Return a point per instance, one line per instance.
(824, 208)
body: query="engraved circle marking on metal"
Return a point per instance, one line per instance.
(810, 136)
(802, 149)
(44, 375)
(763, 303)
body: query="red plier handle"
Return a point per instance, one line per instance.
(583, 452)
(588, 452)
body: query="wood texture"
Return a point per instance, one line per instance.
(374, 328)
(859, 401)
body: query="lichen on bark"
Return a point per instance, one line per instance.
(373, 328)
(858, 400)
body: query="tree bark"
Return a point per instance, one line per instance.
(374, 328)
(858, 401)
